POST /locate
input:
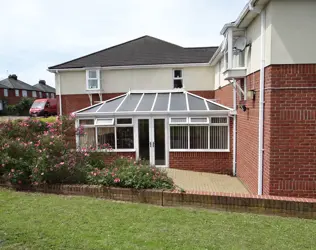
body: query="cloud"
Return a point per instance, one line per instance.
(38, 34)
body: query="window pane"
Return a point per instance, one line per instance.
(87, 140)
(196, 103)
(178, 101)
(125, 137)
(219, 120)
(92, 74)
(52, 95)
(24, 93)
(219, 137)
(106, 137)
(6, 92)
(93, 84)
(177, 84)
(34, 93)
(130, 102)
(124, 121)
(161, 102)
(179, 137)
(17, 92)
(177, 73)
(147, 102)
(40, 94)
(86, 122)
(198, 137)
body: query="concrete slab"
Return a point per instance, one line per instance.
(206, 182)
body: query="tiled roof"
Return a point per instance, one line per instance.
(145, 50)
(12, 83)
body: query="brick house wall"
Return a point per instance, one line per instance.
(289, 131)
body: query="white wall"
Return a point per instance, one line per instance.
(219, 68)
(115, 81)
(293, 32)
(253, 34)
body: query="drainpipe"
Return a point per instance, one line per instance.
(261, 103)
(59, 86)
(235, 127)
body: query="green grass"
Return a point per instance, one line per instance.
(37, 221)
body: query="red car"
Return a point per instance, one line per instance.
(44, 107)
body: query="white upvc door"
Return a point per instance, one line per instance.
(151, 140)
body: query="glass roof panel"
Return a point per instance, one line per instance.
(213, 106)
(147, 102)
(112, 105)
(130, 103)
(162, 102)
(196, 103)
(178, 102)
(92, 109)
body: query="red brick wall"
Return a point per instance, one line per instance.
(208, 94)
(289, 131)
(225, 95)
(292, 153)
(212, 162)
(112, 156)
(71, 103)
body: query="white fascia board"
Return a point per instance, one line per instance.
(185, 65)
(157, 113)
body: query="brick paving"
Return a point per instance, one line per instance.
(206, 182)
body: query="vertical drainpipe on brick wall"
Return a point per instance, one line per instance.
(235, 127)
(59, 87)
(261, 104)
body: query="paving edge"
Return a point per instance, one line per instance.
(271, 205)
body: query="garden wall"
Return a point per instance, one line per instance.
(273, 205)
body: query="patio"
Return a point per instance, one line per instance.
(206, 182)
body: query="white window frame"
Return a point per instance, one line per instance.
(34, 94)
(17, 92)
(124, 125)
(97, 78)
(6, 92)
(109, 125)
(207, 121)
(52, 95)
(177, 78)
(208, 135)
(40, 94)
(179, 123)
(108, 122)
(24, 93)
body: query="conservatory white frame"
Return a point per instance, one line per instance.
(95, 112)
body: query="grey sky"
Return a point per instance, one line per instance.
(35, 34)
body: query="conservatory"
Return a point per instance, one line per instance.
(151, 125)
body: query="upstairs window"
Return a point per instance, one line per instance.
(24, 93)
(17, 93)
(93, 79)
(5, 92)
(34, 94)
(177, 79)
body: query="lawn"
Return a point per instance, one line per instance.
(38, 221)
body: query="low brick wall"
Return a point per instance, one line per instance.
(273, 205)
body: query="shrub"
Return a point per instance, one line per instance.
(21, 108)
(131, 174)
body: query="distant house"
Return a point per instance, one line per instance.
(12, 90)
(48, 91)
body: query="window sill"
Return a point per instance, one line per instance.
(201, 150)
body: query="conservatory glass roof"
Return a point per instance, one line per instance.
(154, 102)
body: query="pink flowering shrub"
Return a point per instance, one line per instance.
(125, 172)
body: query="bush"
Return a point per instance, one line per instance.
(35, 152)
(21, 108)
(131, 174)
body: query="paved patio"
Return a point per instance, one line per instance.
(206, 182)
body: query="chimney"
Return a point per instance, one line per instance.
(13, 76)
(43, 82)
